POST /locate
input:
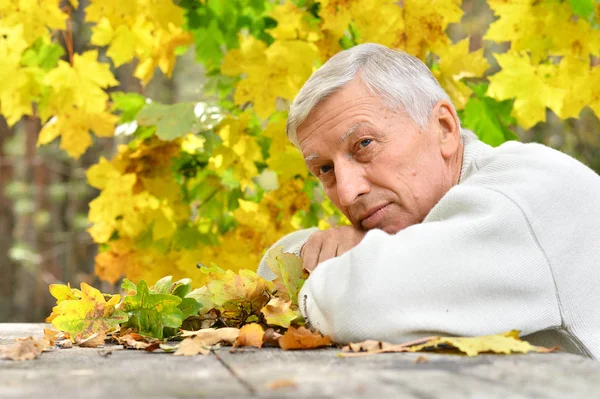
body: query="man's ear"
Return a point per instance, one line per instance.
(446, 122)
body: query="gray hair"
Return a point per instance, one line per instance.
(402, 81)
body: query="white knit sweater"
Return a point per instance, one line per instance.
(515, 245)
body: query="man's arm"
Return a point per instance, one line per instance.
(473, 267)
(291, 243)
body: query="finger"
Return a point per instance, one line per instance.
(327, 251)
(311, 253)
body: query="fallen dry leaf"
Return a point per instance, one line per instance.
(226, 334)
(282, 383)
(302, 338)
(202, 340)
(137, 341)
(64, 344)
(191, 347)
(371, 347)
(24, 349)
(51, 335)
(93, 341)
(505, 343)
(250, 335)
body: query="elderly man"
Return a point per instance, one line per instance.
(448, 235)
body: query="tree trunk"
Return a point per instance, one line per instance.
(7, 221)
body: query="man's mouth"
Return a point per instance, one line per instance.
(374, 216)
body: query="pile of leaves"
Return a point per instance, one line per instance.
(238, 309)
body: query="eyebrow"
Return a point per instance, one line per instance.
(343, 138)
(354, 129)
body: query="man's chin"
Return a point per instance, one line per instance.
(390, 228)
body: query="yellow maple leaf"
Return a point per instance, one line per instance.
(425, 23)
(18, 84)
(505, 343)
(89, 315)
(73, 125)
(111, 265)
(292, 23)
(530, 85)
(580, 83)
(336, 17)
(102, 174)
(36, 18)
(160, 51)
(118, 208)
(249, 214)
(280, 313)
(286, 65)
(456, 63)
(275, 130)
(578, 38)
(379, 21)
(288, 163)
(518, 23)
(80, 85)
(238, 151)
(115, 11)
(249, 55)
(122, 41)
(532, 26)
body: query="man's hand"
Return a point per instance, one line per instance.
(327, 244)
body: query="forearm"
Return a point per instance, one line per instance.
(467, 274)
(291, 243)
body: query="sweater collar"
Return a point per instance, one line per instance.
(473, 149)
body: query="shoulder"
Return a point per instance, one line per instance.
(516, 166)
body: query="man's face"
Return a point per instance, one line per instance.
(376, 165)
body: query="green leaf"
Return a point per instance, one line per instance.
(583, 8)
(151, 313)
(190, 307)
(290, 273)
(488, 118)
(182, 287)
(171, 121)
(43, 54)
(128, 104)
(129, 287)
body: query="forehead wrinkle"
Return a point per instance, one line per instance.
(324, 119)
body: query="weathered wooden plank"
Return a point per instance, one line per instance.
(325, 374)
(85, 373)
(10, 331)
(81, 372)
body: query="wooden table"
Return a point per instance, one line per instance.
(93, 373)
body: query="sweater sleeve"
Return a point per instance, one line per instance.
(473, 267)
(291, 243)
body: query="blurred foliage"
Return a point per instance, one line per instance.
(215, 179)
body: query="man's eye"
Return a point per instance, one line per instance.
(324, 169)
(365, 143)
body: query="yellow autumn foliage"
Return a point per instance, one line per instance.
(253, 184)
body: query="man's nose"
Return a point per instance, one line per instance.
(351, 183)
